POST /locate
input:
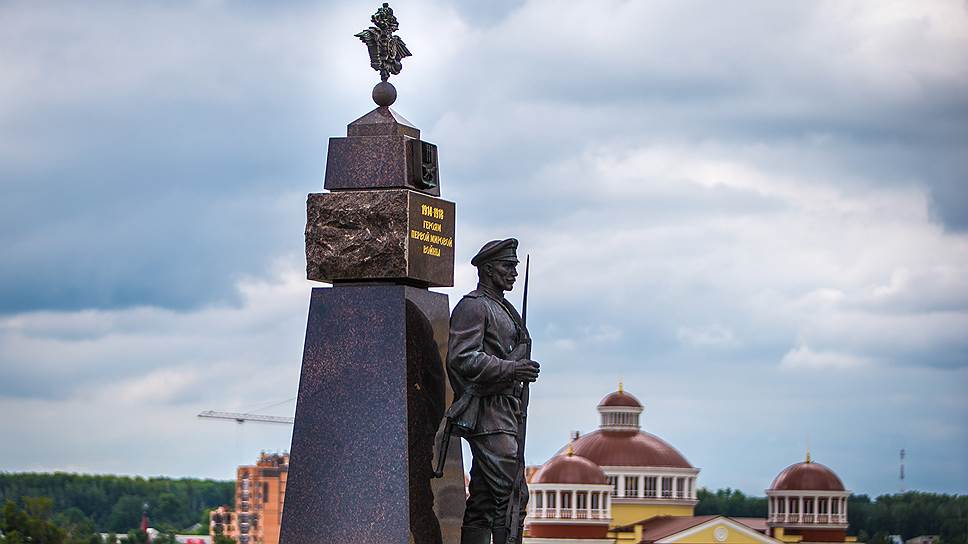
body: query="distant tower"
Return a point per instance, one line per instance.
(144, 522)
(902, 471)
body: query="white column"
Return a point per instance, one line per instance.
(641, 481)
(574, 504)
(621, 485)
(588, 504)
(801, 509)
(557, 502)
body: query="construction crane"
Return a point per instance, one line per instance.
(242, 418)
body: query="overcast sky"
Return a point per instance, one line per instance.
(754, 213)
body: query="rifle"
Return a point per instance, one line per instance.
(514, 511)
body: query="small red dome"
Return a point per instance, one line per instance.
(570, 469)
(609, 448)
(620, 398)
(807, 477)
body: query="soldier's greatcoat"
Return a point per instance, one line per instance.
(486, 338)
(485, 330)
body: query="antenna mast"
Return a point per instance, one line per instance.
(902, 471)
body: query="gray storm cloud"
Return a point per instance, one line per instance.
(754, 215)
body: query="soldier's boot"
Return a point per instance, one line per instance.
(500, 535)
(475, 535)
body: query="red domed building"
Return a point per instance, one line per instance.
(570, 498)
(622, 485)
(647, 475)
(808, 500)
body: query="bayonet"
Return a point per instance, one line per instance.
(524, 299)
(514, 510)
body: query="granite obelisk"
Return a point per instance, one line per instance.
(373, 388)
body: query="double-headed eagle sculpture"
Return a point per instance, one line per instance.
(386, 50)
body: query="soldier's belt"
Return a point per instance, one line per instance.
(465, 411)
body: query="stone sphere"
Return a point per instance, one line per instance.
(384, 94)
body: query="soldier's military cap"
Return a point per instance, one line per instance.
(497, 250)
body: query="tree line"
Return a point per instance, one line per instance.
(115, 503)
(63, 508)
(908, 514)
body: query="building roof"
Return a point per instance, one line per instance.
(570, 469)
(628, 448)
(807, 476)
(757, 524)
(620, 398)
(660, 527)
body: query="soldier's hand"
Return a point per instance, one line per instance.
(526, 370)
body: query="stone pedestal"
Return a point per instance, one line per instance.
(373, 387)
(371, 396)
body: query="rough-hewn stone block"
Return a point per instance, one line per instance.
(395, 234)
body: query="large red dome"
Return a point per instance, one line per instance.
(570, 469)
(620, 398)
(608, 448)
(807, 477)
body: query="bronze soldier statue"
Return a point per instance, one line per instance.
(489, 365)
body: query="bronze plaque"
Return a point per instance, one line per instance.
(430, 245)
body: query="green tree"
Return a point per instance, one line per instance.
(165, 537)
(78, 526)
(30, 525)
(222, 539)
(729, 502)
(177, 502)
(126, 513)
(137, 536)
(168, 510)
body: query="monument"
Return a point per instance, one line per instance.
(489, 365)
(373, 387)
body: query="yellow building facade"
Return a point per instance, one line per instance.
(651, 494)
